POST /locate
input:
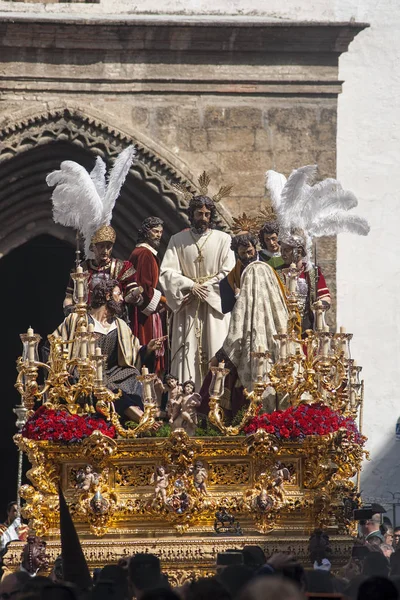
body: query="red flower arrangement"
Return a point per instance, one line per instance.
(61, 426)
(305, 419)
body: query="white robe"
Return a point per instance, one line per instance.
(178, 273)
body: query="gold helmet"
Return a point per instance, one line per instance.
(104, 234)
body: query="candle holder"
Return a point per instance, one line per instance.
(319, 309)
(81, 287)
(261, 360)
(30, 341)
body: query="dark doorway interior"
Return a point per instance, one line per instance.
(33, 280)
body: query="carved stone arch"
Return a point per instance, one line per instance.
(35, 143)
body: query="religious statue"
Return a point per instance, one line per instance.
(245, 248)
(99, 504)
(34, 557)
(86, 478)
(184, 409)
(263, 502)
(122, 349)
(86, 201)
(148, 317)
(194, 263)
(179, 500)
(200, 476)
(173, 388)
(270, 247)
(160, 478)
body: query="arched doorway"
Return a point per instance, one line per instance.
(33, 277)
(36, 144)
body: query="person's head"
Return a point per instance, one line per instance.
(245, 247)
(188, 387)
(268, 236)
(293, 249)
(163, 593)
(395, 563)
(377, 588)
(12, 511)
(396, 537)
(387, 532)
(151, 231)
(102, 244)
(201, 213)
(171, 381)
(318, 581)
(235, 577)
(111, 582)
(375, 564)
(372, 524)
(253, 557)
(144, 572)
(228, 558)
(207, 588)
(387, 550)
(13, 584)
(270, 588)
(108, 293)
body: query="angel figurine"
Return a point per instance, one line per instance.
(160, 478)
(174, 390)
(86, 478)
(184, 413)
(200, 476)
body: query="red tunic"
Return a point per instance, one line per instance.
(146, 320)
(121, 270)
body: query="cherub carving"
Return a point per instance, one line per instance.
(184, 413)
(86, 478)
(160, 478)
(200, 476)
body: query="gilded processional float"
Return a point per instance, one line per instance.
(267, 478)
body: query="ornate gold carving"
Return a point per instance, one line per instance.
(229, 474)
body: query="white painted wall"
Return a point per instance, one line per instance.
(368, 163)
(369, 268)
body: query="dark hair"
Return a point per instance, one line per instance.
(244, 239)
(160, 593)
(395, 563)
(377, 588)
(235, 577)
(268, 228)
(145, 227)
(101, 290)
(206, 588)
(198, 202)
(253, 556)
(145, 571)
(187, 382)
(169, 376)
(375, 565)
(10, 505)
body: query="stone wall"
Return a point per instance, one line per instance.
(234, 99)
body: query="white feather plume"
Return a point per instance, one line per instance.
(98, 176)
(85, 201)
(116, 179)
(275, 182)
(322, 209)
(339, 221)
(294, 195)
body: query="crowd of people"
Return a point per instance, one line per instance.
(245, 574)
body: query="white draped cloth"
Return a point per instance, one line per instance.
(197, 327)
(260, 312)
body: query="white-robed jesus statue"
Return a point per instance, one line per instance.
(195, 261)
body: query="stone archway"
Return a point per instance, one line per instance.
(35, 144)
